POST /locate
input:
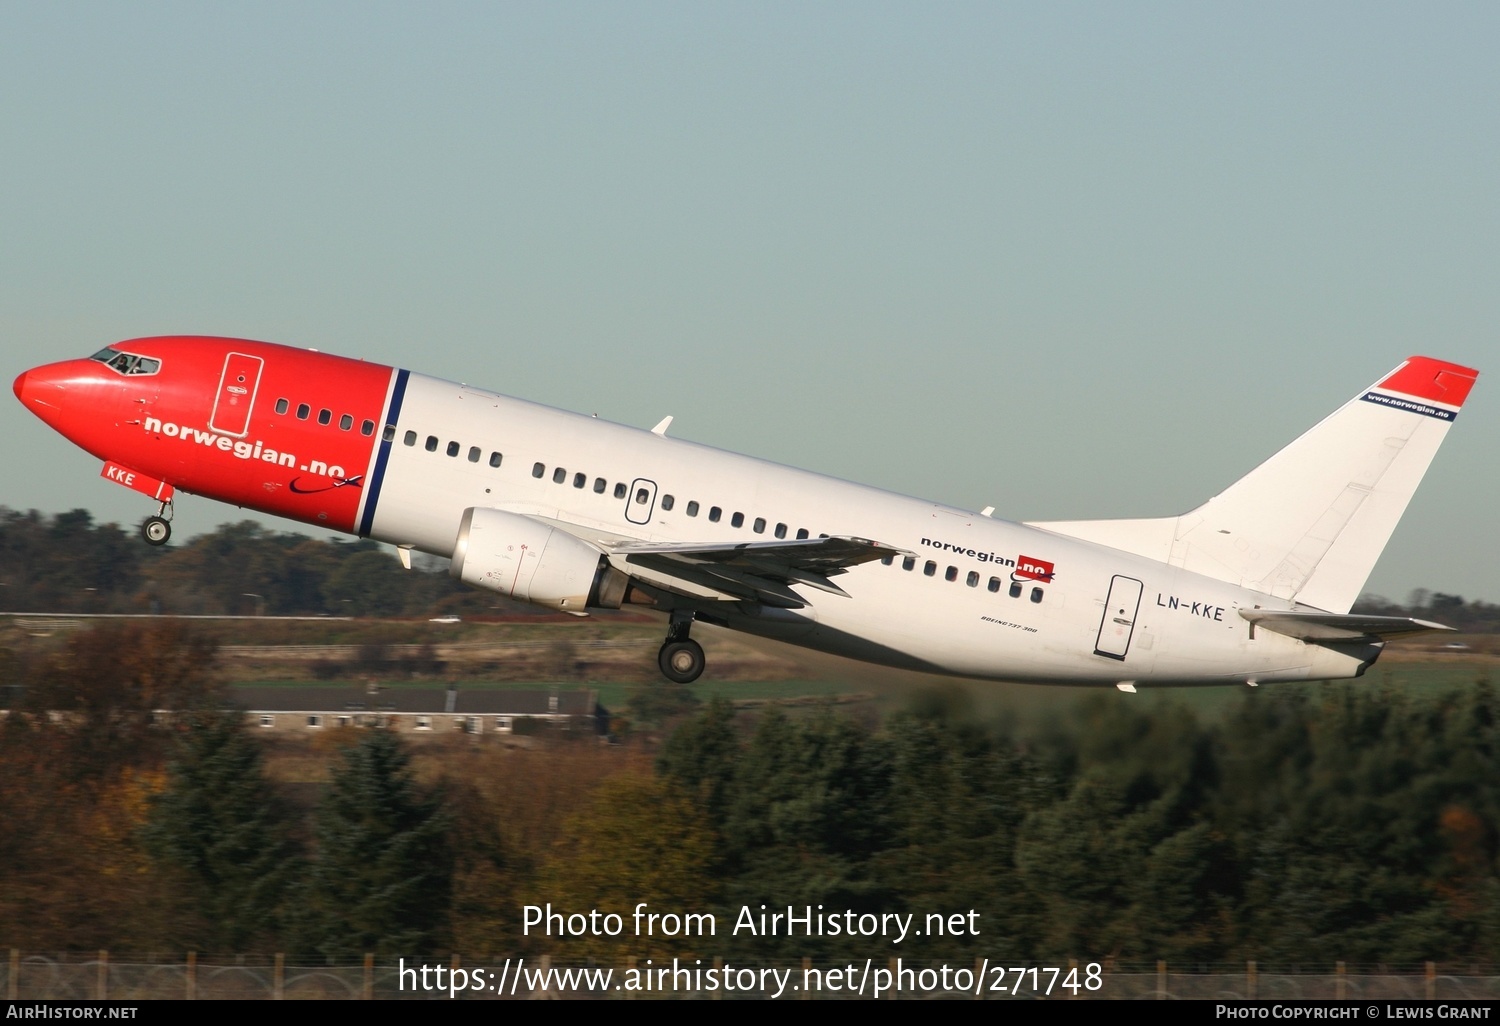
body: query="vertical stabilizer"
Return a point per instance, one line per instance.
(1310, 522)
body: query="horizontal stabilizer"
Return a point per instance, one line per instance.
(1314, 625)
(1309, 523)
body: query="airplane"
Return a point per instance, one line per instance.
(573, 513)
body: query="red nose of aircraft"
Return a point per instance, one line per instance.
(42, 390)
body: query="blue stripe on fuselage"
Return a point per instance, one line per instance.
(372, 492)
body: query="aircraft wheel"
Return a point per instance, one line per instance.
(156, 531)
(681, 661)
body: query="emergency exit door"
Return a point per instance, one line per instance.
(237, 387)
(1118, 623)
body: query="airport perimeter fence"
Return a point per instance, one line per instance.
(72, 977)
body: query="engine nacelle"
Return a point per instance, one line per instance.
(528, 560)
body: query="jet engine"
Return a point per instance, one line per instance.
(529, 560)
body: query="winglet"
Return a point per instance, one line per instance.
(661, 429)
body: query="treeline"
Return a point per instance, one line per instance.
(129, 829)
(1341, 823)
(1303, 827)
(68, 563)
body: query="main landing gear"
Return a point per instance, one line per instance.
(681, 658)
(158, 529)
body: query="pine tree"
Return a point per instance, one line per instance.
(383, 874)
(219, 823)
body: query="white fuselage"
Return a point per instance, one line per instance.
(975, 597)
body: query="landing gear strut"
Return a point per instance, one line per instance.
(158, 529)
(681, 658)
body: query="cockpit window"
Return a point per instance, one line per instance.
(125, 363)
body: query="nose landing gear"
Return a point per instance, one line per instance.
(681, 658)
(157, 530)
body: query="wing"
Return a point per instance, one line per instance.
(759, 571)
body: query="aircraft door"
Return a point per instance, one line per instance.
(1118, 622)
(236, 395)
(640, 501)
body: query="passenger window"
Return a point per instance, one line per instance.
(473, 454)
(738, 520)
(303, 410)
(909, 563)
(667, 502)
(714, 514)
(559, 476)
(411, 438)
(1015, 589)
(760, 525)
(367, 427)
(431, 443)
(973, 579)
(537, 470)
(994, 584)
(801, 533)
(929, 568)
(781, 530)
(389, 434)
(325, 417)
(346, 423)
(619, 489)
(692, 508)
(1036, 594)
(951, 574)
(282, 405)
(495, 459)
(599, 485)
(642, 496)
(579, 480)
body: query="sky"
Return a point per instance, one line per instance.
(1072, 260)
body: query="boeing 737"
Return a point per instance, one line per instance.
(573, 513)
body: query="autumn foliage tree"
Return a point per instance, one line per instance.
(638, 840)
(81, 755)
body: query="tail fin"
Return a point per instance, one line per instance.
(1309, 523)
